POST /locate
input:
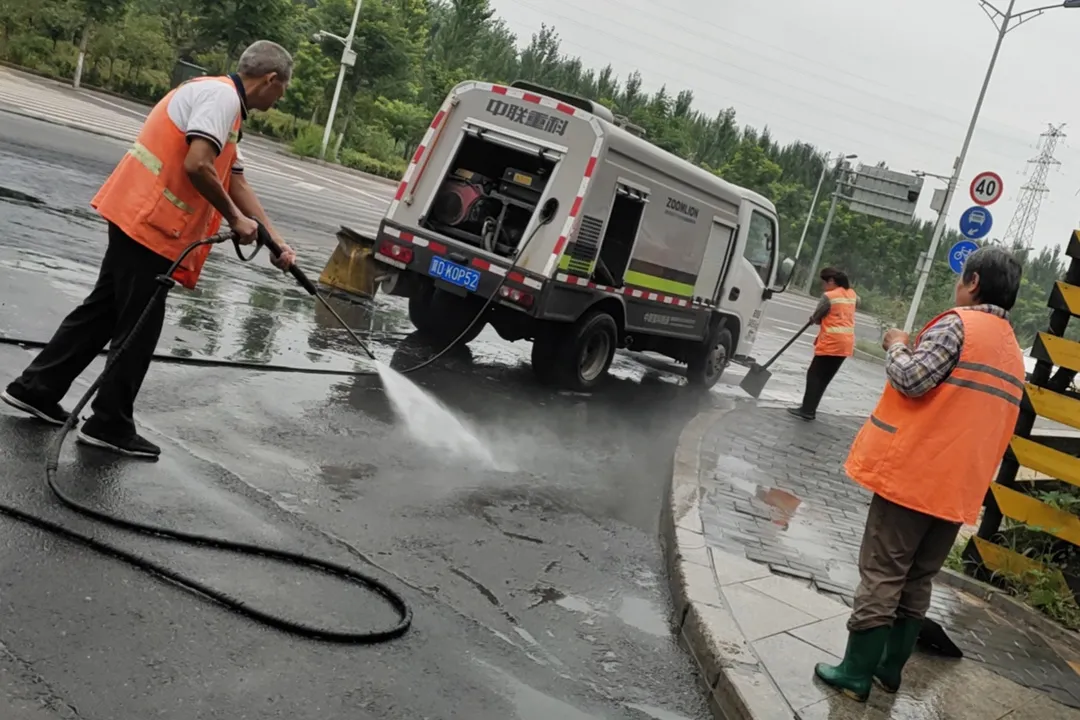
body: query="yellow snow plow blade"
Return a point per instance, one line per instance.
(352, 268)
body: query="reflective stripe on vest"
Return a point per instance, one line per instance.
(151, 198)
(836, 336)
(152, 163)
(938, 453)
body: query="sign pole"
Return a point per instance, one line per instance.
(939, 227)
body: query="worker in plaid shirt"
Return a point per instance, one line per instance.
(928, 453)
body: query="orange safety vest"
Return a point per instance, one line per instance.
(150, 197)
(937, 454)
(836, 336)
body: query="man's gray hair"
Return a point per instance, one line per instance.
(999, 275)
(263, 57)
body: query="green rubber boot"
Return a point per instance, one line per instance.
(900, 646)
(854, 676)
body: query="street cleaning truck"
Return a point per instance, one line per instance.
(558, 224)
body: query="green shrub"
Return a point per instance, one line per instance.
(308, 142)
(365, 163)
(277, 124)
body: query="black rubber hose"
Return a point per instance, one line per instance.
(394, 599)
(52, 462)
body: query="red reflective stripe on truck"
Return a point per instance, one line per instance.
(481, 264)
(516, 277)
(559, 245)
(576, 207)
(500, 89)
(418, 154)
(534, 99)
(590, 167)
(438, 118)
(401, 190)
(564, 108)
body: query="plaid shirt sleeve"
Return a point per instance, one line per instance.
(915, 372)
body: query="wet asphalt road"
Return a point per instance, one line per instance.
(538, 589)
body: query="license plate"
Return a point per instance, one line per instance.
(454, 274)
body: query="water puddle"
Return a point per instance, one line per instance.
(657, 713)
(532, 704)
(643, 615)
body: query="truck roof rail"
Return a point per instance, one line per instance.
(590, 106)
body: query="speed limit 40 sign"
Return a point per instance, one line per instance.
(986, 188)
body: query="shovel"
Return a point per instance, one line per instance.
(759, 375)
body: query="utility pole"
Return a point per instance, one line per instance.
(825, 230)
(348, 60)
(1003, 21)
(813, 203)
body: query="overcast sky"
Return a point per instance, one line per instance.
(892, 81)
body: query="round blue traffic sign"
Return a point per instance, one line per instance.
(958, 254)
(976, 222)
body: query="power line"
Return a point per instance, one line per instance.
(716, 70)
(831, 71)
(1026, 217)
(835, 134)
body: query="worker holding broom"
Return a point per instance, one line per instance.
(929, 452)
(172, 188)
(835, 341)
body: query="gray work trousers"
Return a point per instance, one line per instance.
(902, 550)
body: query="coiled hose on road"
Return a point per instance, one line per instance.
(52, 460)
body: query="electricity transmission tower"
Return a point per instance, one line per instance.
(1022, 227)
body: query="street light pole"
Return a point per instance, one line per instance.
(813, 206)
(348, 59)
(825, 230)
(939, 227)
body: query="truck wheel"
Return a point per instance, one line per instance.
(586, 352)
(441, 317)
(712, 358)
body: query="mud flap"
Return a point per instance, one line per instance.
(352, 268)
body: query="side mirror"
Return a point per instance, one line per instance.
(785, 273)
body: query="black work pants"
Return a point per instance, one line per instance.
(822, 370)
(125, 285)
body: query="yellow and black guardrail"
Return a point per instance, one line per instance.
(1036, 462)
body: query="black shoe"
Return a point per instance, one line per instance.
(21, 400)
(133, 445)
(798, 412)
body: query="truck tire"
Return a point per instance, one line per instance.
(584, 354)
(440, 317)
(712, 358)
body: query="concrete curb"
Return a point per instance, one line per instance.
(1009, 606)
(738, 686)
(863, 355)
(341, 168)
(67, 124)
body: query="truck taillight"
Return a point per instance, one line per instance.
(395, 251)
(518, 297)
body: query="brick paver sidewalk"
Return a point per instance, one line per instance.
(773, 491)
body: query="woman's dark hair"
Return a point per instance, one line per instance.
(999, 275)
(837, 276)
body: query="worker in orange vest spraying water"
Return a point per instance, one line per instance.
(928, 453)
(835, 342)
(173, 187)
